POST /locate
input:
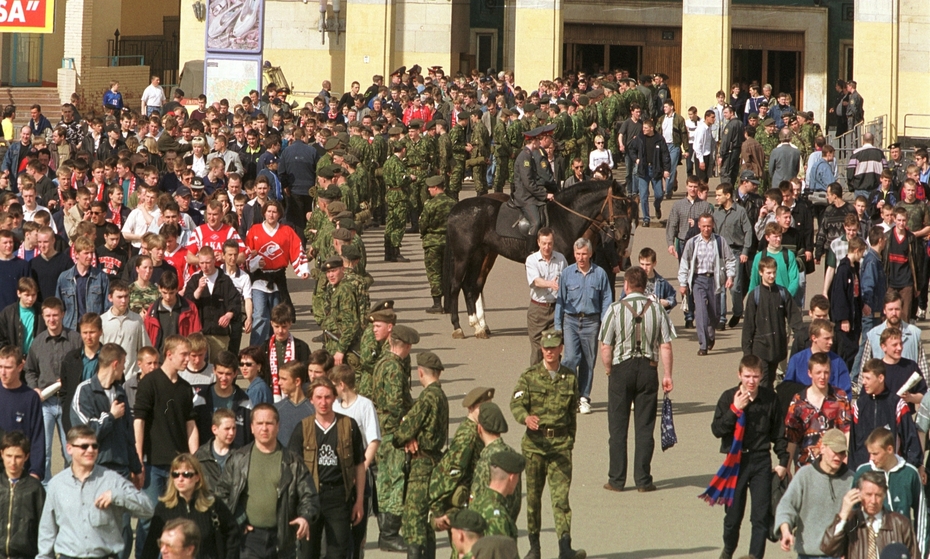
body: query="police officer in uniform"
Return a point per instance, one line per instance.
(529, 189)
(545, 400)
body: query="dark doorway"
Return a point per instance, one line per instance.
(625, 57)
(746, 67)
(783, 67)
(589, 58)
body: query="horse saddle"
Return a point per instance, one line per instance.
(511, 222)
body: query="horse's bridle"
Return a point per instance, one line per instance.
(608, 203)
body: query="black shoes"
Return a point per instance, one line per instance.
(734, 320)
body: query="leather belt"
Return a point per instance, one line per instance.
(706, 275)
(581, 315)
(547, 305)
(549, 432)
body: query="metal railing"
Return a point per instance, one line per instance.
(110, 61)
(161, 53)
(849, 142)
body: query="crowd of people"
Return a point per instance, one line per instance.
(137, 247)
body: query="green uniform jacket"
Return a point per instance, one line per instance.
(443, 154)
(502, 147)
(480, 141)
(482, 477)
(434, 219)
(457, 139)
(370, 351)
(492, 506)
(427, 422)
(555, 402)
(395, 174)
(359, 284)
(342, 318)
(451, 479)
(390, 391)
(418, 155)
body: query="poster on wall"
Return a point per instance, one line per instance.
(235, 26)
(231, 77)
(27, 16)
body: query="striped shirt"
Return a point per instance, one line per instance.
(618, 329)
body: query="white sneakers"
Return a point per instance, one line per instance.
(584, 406)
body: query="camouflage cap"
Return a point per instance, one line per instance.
(509, 461)
(551, 338)
(491, 418)
(351, 252)
(342, 234)
(430, 360)
(405, 334)
(435, 180)
(477, 395)
(467, 519)
(331, 263)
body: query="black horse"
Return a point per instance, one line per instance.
(472, 244)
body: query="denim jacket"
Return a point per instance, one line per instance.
(96, 298)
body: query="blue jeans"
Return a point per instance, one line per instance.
(674, 154)
(51, 416)
(150, 109)
(262, 303)
(156, 481)
(580, 337)
(736, 292)
(489, 176)
(643, 187)
(868, 323)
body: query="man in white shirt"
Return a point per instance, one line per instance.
(704, 146)
(543, 269)
(153, 97)
(123, 327)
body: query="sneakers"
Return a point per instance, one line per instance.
(584, 406)
(921, 314)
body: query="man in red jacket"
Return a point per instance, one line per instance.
(170, 315)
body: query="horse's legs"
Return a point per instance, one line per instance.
(481, 327)
(457, 279)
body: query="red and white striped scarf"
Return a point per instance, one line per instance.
(289, 355)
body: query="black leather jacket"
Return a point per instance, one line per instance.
(19, 516)
(297, 496)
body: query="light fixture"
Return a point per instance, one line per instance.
(200, 10)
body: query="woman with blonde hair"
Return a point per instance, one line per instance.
(189, 496)
(600, 155)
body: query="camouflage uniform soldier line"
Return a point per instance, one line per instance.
(491, 504)
(433, 223)
(397, 183)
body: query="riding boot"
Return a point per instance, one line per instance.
(398, 257)
(390, 538)
(430, 551)
(566, 551)
(534, 552)
(437, 306)
(388, 251)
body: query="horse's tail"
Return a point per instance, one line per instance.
(447, 276)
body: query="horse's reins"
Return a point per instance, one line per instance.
(608, 202)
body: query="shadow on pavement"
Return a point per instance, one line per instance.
(700, 481)
(650, 553)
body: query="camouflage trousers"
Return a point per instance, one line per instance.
(557, 467)
(432, 259)
(501, 172)
(390, 482)
(479, 175)
(415, 523)
(455, 179)
(418, 192)
(396, 221)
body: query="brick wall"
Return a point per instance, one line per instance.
(93, 82)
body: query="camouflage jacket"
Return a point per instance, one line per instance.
(360, 285)
(370, 352)
(482, 476)
(395, 174)
(390, 391)
(555, 402)
(341, 317)
(427, 422)
(492, 506)
(457, 141)
(451, 479)
(480, 141)
(418, 156)
(433, 220)
(502, 147)
(443, 154)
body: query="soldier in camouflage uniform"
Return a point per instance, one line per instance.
(141, 298)
(515, 139)
(459, 145)
(380, 321)
(422, 433)
(433, 233)
(479, 151)
(380, 153)
(360, 283)
(768, 137)
(491, 503)
(452, 477)
(491, 424)
(358, 183)
(466, 528)
(319, 216)
(337, 312)
(564, 136)
(397, 182)
(443, 151)
(390, 393)
(503, 149)
(610, 107)
(417, 158)
(545, 400)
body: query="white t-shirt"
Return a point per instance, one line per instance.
(136, 224)
(153, 96)
(362, 411)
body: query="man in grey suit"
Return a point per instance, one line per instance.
(785, 160)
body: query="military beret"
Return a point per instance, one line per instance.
(565, 102)
(429, 360)
(343, 138)
(753, 115)
(334, 207)
(529, 108)
(467, 519)
(609, 85)
(544, 100)
(394, 130)
(663, 76)
(495, 547)
(405, 334)
(509, 461)
(383, 315)
(541, 114)
(387, 304)
(768, 122)
(440, 122)
(351, 252)
(430, 125)
(332, 191)
(463, 116)
(476, 395)
(340, 152)
(583, 100)
(331, 143)
(807, 114)
(342, 234)
(491, 418)
(435, 180)
(339, 129)
(351, 159)
(506, 112)
(332, 263)
(344, 214)
(551, 338)
(415, 124)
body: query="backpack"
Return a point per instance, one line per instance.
(781, 291)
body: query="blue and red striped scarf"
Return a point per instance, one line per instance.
(722, 488)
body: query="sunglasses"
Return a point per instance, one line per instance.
(85, 446)
(246, 363)
(185, 475)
